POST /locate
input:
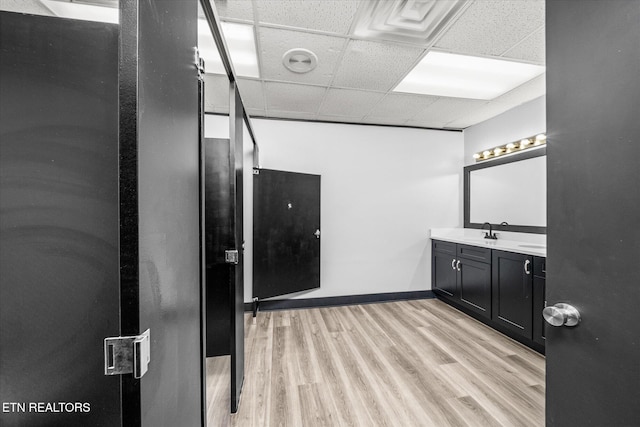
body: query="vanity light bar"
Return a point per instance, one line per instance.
(512, 147)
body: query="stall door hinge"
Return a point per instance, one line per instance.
(126, 355)
(199, 63)
(231, 257)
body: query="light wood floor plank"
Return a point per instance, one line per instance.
(406, 363)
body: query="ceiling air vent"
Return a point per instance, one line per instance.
(300, 60)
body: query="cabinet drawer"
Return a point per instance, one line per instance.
(446, 247)
(475, 253)
(540, 266)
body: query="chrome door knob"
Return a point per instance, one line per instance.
(561, 315)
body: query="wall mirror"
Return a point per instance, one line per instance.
(512, 189)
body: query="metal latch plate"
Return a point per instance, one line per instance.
(231, 257)
(126, 355)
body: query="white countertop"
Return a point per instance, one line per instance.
(523, 243)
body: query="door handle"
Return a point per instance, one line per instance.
(317, 233)
(458, 265)
(453, 264)
(526, 266)
(561, 315)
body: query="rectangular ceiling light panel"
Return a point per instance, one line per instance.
(241, 42)
(410, 21)
(462, 76)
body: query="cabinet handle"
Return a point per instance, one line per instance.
(458, 265)
(526, 267)
(453, 264)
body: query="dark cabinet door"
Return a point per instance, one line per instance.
(539, 303)
(539, 298)
(474, 285)
(512, 285)
(443, 274)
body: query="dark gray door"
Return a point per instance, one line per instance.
(236, 118)
(220, 236)
(59, 285)
(160, 209)
(286, 232)
(593, 105)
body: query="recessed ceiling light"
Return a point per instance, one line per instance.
(83, 11)
(462, 76)
(240, 40)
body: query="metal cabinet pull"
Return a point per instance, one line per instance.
(526, 267)
(453, 264)
(458, 265)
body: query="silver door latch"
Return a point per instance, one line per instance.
(231, 257)
(126, 355)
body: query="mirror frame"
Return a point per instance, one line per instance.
(529, 154)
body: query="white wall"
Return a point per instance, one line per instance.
(383, 188)
(520, 122)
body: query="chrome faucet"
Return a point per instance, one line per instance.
(490, 235)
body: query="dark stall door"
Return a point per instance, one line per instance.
(593, 100)
(59, 276)
(286, 232)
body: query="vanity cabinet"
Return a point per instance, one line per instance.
(462, 274)
(539, 298)
(505, 290)
(512, 289)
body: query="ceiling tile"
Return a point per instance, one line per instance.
(291, 115)
(32, 7)
(275, 42)
(255, 112)
(251, 93)
(216, 93)
(401, 106)
(294, 98)
(385, 120)
(235, 9)
(326, 15)
(491, 27)
(445, 110)
(523, 93)
(375, 66)
(349, 103)
(531, 49)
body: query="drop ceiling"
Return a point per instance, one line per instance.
(355, 75)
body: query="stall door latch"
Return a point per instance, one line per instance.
(231, 257)
(126, 355)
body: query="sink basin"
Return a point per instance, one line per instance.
(533, 246)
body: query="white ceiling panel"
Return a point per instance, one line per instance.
(251, 93)
(531, 49)
(384, 120)
(294, 98)
(216, 93)
(333, 16)
(275, 42)
(291, 115)
(235, 9)
(397, 106)
(355, 75)
(492, 27)
(445, 110)
(33, 7)
(375, 66)
(349, 103)
(523, 93)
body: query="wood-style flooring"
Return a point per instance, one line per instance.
(408, 363)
